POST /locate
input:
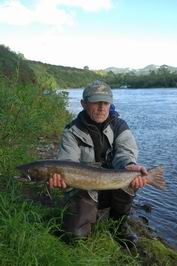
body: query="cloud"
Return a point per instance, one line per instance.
(13, 12)
(88, 5)
(47, 12)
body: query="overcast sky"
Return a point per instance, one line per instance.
(96, 33)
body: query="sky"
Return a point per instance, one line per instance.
(93, 33)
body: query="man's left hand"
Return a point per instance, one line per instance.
(139, 181)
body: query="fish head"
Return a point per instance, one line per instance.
(33, 173)
(23, 177)
(39, 173)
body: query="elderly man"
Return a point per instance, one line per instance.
(97, 136)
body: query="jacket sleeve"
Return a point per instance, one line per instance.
(69, 149)
(125, 150)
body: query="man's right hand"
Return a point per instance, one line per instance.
(57, 181)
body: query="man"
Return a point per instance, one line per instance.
(97, 135)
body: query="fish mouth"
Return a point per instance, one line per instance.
(23, 177)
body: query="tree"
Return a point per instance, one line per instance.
(86, 68)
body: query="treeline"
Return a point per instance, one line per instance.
(161, 78)
(62, 77)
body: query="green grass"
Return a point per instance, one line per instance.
(26, 237)
(25, 240)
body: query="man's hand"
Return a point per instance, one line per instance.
(57, 181)
(139, 181)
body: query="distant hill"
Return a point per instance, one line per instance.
(118, 70)
(14, 67)
(142, 71)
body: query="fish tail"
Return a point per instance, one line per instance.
(156, 178)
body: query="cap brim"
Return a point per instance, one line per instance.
(99, 98)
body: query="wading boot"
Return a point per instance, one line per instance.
(125, 236)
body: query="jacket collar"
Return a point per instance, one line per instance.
(83, 121)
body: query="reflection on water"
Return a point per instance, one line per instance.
(152, 116)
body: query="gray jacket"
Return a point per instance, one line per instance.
(77, 144)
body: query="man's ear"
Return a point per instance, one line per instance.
(83, 104)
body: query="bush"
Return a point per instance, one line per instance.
(26, 114)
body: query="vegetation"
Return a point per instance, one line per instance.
(162, 78)
(26, 114)
(28, 227)
(63, 77)
(13, 69)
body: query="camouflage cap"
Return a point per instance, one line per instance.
(98, 91)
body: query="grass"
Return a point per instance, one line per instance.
(26, 238)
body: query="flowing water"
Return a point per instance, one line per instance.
(152, 116)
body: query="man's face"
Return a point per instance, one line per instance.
(97, 111)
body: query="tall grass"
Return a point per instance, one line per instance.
(26, 239)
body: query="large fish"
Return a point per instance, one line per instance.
(88, 177)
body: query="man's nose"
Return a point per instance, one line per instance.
(101, 106)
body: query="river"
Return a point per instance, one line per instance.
(152, 116)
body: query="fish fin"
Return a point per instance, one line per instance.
(129, 190)
(156, 178)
